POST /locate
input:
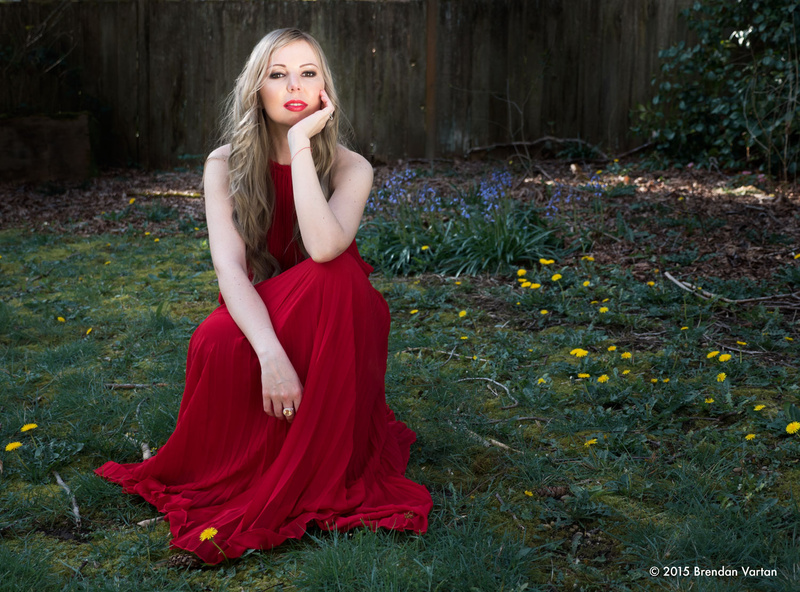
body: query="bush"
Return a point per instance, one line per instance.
(731, 99)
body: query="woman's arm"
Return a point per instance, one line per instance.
(327, 227)
(280, 384)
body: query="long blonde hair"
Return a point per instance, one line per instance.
(245, 128)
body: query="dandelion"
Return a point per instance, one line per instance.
(463, 313)
(415, 311)
(89, 330)
(156, 240)
(789, 338)
(147, 234)
(579, 353)
(741, 343)
(424, 247)
(709, 399)
(14, 445)
(208, 534)
(792, 428)
(603, 309)
(602, 378)
(521, 280)
(591, 442)
(626, 355)
(712, 354)
(528, 493)
(556, 277)
(525, 284)
(28, 427)
(521, 272)
(107, 263)
(544, 311)
(724, 357)
(587, 283)
(541, 381)
(626, 371)
(546, 261)
(61, 320)
(721, 377)
(612, 348)
(654, 380)
(583, 375)
(587, 258)
(651, 284)
(196, 228)
(458, 283)
(759, 407)
(750, 437)
(797, 256)
(464, 337)
(535, 286)
(684, 328)
(665, 380)
(604, 300)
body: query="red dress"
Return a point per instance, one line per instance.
(255, 479)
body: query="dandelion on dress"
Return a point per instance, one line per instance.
(208, 534)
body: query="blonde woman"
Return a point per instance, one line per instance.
(283, 421)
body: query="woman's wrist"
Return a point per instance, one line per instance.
(297, 142)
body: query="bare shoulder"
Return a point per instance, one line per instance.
(221, 153)
(215, 174)
(351, 165)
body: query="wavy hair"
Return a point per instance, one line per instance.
(245, 128)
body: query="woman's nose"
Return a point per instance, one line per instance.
(293, 82)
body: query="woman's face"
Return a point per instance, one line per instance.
(291, 87)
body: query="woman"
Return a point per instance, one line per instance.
(283, 420)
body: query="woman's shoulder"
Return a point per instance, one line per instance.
(222, 153)
(215, 175)
(348, 162)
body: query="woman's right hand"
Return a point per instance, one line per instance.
(280, 386)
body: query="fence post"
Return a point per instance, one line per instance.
(432, 14)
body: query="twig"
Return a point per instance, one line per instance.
(150, 521)
(709, 295)
(510, 396)
(438, 351)
(146, 453)
(75, 511)
(128, 386)
(487, 442)
(526, 418)
(514, 516)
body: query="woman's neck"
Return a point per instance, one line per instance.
(279, 144)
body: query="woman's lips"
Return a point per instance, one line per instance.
(295, 105)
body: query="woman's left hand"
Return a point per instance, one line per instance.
(310, 126)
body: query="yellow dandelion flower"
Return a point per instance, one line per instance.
(89, 330)
(603, 309)
(587, 283)
(61, 320)
(13, 446)
(107, 263)
(602, 378)
(759, 407)
(750, 437)
(415, 311)
(709, 399)
(541, 381)
(654, 380)
(594, 302)
(604, 300)
(684, 328)
(556, 277)
(535, 286)
(612, 348)
(724, 357)
(665, 380)
(579, 353)
(528, 493)
(712, 354)
(474, 357)
(590, 442)
(626, 371)
(517, 303)
(463, 313)
(583, 375)
(28, 427)
(525, 284)
(544, 311)
(156, 240)
(196, 228)
(651, 284)
(131, 200)
(208, 534)
(521, 280)
(546, 261)
(464, 337)
(741, 342)
(797, 256)
(458, 283)
(147, 234)
(789, 338)
(521, 272)
(587, 258)
(424, 247)
(626, 355)
(721, 377)
(792, 428)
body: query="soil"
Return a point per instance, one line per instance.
(725, 225)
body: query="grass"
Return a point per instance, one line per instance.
(548, 470)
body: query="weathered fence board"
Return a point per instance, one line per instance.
(156, 72)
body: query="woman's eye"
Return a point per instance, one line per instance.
(276, 75)
(309, 73)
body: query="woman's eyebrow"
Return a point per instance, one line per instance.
(302, 66)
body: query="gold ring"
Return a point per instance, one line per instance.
(288, 411)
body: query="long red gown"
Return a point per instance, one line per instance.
(255, 479)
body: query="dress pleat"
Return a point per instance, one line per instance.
(254, 478)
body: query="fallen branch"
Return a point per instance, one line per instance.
(709, 295)
(75, 510)
(438, 351)
(516, 403)
(129, 386)
(527, 418)
(150, 521)
(146, 453)
(487, 442)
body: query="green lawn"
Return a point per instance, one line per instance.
(579, 422)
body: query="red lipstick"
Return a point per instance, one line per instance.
(295, 105)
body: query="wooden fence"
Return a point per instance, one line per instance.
(416, 77)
